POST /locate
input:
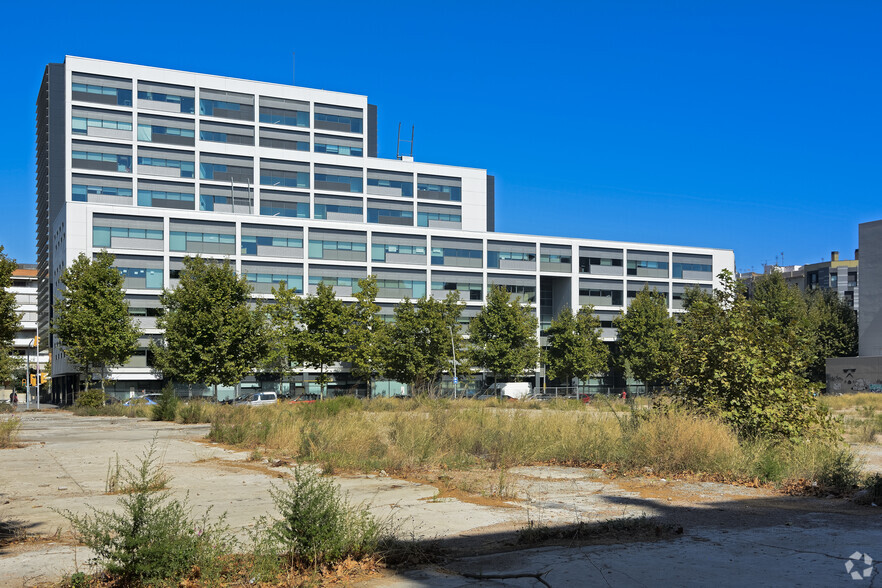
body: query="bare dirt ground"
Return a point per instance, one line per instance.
(589, 528)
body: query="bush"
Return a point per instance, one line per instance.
(166, 408)
(193, 412)
(317, 525)
(150, 537)
(93, 398)
(9, 429)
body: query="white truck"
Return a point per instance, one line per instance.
(514, 390)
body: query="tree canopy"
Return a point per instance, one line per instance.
(575, 348)
(835, 326)
(502, 337)
(212, 336)
(92, 318)
(9, 318)
(418, 345)
(745, 361)
(366, 331)
(647, 338)
(322, 340)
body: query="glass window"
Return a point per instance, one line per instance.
(453, 193)
(100, 236)
(281, 116)
(187, 105)
(322, 210)
(123, 97)
(424, 219)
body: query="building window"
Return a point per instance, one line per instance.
(135, 277)
(187, 168)
(123, 97)
(322, 210)
(379, 250)
(292, 282)
(439, 192)
(329, 249)
(396, 187)
(389, 217)
(338, 145)
(80, 192)
(187, 105)
(467, 290)
(193, 242)
(81, 125)
(152, 133)
(251, 243)
(120, 163)
(340, 183)
(494, 257)
(424, 219)
(451, 256)
(161, 199)
(390, 288)
(287, 209)
(702, 268)
(103, 236)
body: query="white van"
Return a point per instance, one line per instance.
(515, 390)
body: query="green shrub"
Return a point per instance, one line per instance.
(93, 397)
(166, 408)
(9, 429)
(193, 412)
(317, 525)
(150, 537)
(871, 490)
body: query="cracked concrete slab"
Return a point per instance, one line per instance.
(730, 535)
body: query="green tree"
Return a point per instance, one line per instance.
(283, 353)
(575, 348)
(835, 326)
(211, 336)
(323, 338)
(9, 318)
(745, 361)
(502, 337)
(647, 338)
(417, 347)
(366, 328)
(92, 318)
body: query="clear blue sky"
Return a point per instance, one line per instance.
(752, 126)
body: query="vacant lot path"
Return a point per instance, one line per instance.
(657, 532)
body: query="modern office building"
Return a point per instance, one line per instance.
(154, 165)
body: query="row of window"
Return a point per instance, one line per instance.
(323, 249)
(243, 109)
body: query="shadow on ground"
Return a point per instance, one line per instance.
(767, 541)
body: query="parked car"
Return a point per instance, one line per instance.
(257, 399)
(149, 399)
(305, 399)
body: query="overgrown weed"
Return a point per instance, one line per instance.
(10, 427)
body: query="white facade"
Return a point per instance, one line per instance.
(149, 183)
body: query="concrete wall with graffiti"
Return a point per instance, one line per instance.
(854, 374)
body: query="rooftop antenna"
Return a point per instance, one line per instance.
(398, 153)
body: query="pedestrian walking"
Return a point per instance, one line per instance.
(13, 399)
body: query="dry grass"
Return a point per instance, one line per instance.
(851, 401)
(415, 435)
(9, 430)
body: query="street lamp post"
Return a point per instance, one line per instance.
(453, 349)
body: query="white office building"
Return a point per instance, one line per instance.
(154, 165)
